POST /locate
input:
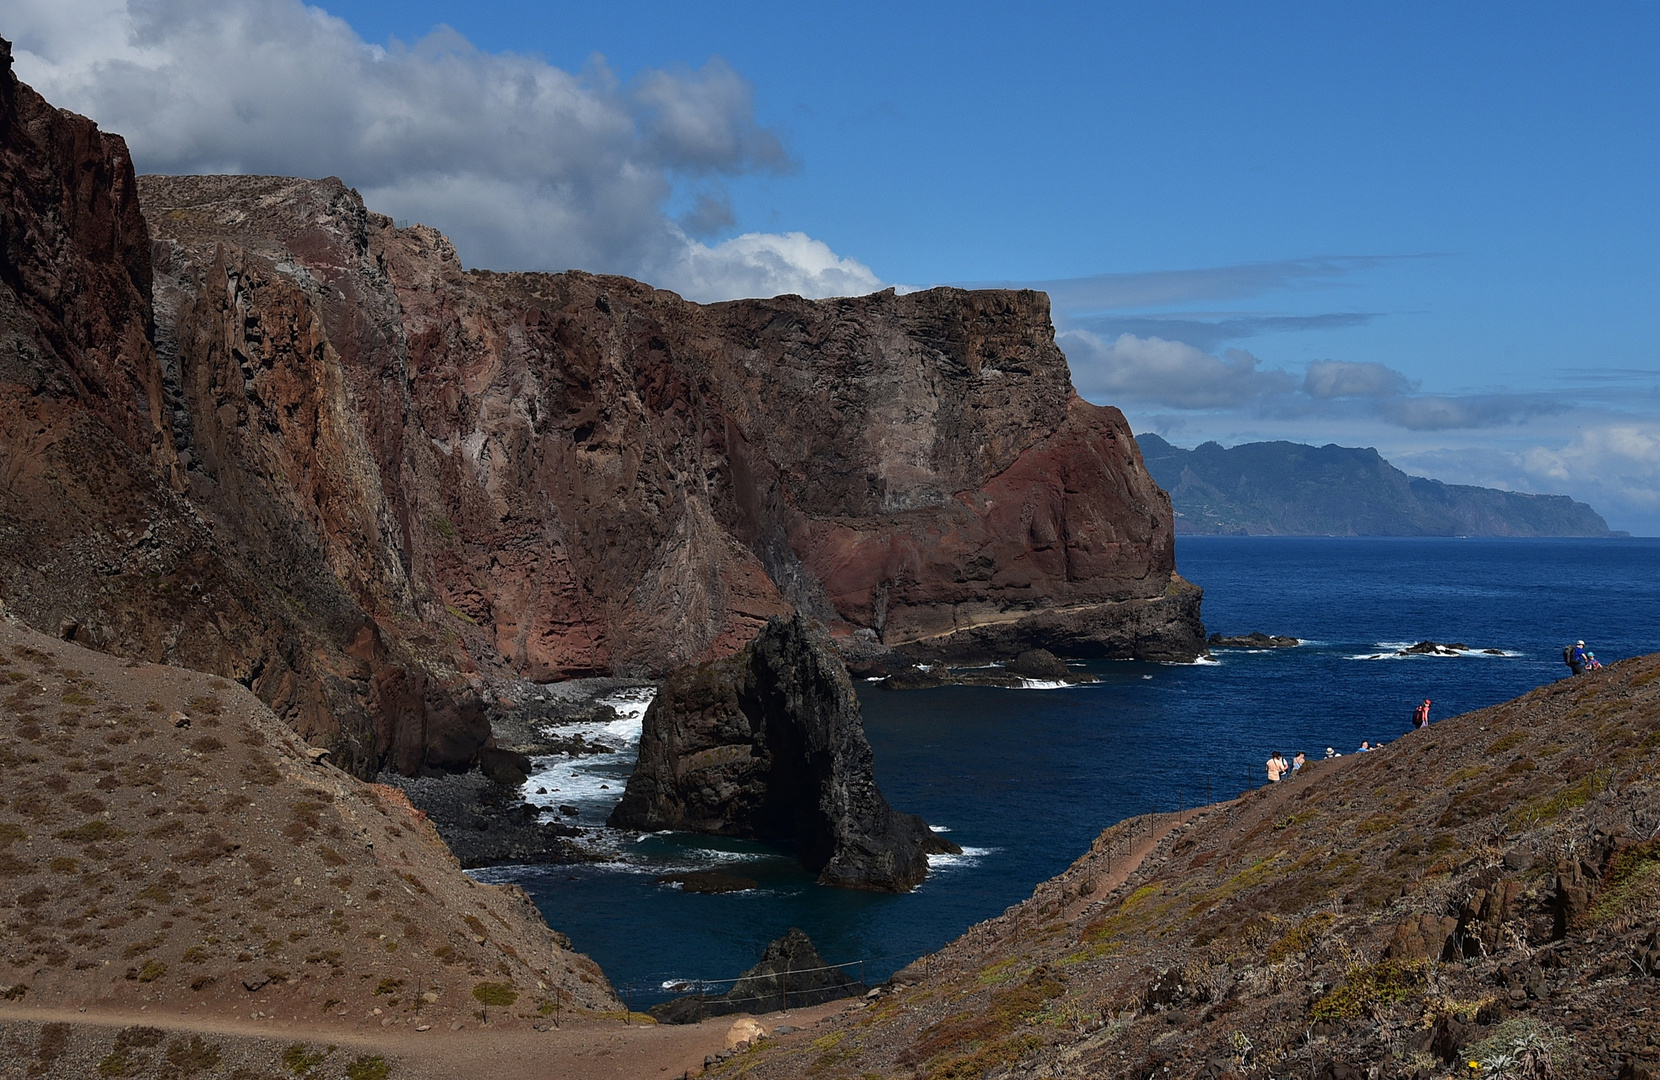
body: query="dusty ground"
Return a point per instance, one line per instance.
(1485, 890)
(68, 1043)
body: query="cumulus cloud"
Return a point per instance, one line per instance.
(1171, 373)
(1432, 412)
(1327, 379)
(525, 165)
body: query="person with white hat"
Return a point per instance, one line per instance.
(1576, 658)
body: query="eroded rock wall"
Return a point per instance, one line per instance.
(571, 474)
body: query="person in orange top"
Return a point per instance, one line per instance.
(1277, 767)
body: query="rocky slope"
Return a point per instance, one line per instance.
(1282, 488)
(167, 842)
(1482, 890)
(769, 744)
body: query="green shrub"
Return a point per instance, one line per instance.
(501, 995)
(1368, 987)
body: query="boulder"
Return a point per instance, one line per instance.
(1039, 664)
(790, 975)
(770, 745)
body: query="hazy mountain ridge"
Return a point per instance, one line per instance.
(1285, 488)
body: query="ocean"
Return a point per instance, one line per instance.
(1025, 779)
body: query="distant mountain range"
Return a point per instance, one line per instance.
(1290, 489)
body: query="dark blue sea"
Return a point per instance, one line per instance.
(1024, 779)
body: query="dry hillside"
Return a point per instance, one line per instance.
(1486, 890)
(169, 848)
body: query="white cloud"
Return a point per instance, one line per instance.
(1171, 373)
(523, 164)
(766, 264)
(1326, 379)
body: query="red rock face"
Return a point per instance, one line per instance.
(578, 474)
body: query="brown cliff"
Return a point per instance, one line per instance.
(291, 444)
(100, 540)
(578, 474)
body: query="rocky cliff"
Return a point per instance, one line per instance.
(769, 744)
(575, 474)
(1284, 488)
(105, 537)
(260, 431)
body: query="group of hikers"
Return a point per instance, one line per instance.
(1279, 767)
(1578, 658)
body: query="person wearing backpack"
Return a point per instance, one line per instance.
(1420, 715)
(1574, 657)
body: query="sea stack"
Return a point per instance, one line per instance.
(769, 744)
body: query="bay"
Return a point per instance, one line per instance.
(1024, 779)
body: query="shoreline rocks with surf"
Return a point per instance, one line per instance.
(1256, 639)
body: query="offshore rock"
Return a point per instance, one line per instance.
(769, 744)
(1256, 639)
(790, 974)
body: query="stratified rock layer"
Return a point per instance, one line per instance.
(577, 474)
(770, 744)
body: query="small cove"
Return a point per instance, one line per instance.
(1025, 778)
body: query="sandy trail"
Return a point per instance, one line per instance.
(578, 1049)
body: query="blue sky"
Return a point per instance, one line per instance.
(1428, 228)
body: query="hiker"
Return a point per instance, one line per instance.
(1576, 657)
(1591, 661)
(1277, 767)
(1365, 747)
(1331, 753)
(1299, 761)
(1420, 715)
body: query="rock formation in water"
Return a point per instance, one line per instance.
(259, 431)
(1284, 488)
(790, 975)
(770, 744)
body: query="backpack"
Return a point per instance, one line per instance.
(1568, 655)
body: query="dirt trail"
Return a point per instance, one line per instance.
(1142, 846)
(578, 1050)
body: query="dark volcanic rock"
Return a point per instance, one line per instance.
(577, 474)
(770, 744)
(791, 975)
(1038, 664)
(107, 539)
(709, 881)
(1256, 639)
(486, 823)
